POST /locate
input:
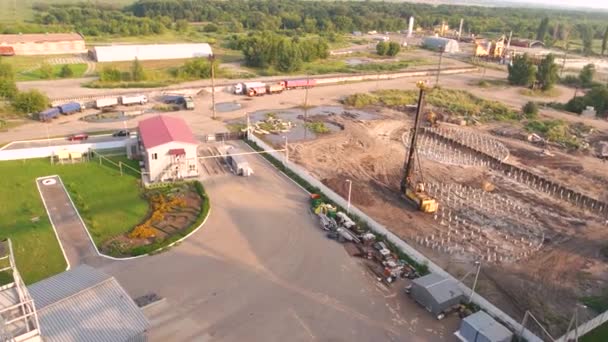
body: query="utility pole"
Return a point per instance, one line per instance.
(478, 263)
(212, 61)
(442, 50)
(350, 188)
(306, 106)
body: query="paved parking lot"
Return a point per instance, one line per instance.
(261, 270)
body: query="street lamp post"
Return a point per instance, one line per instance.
(441, 51)
(478, 263)
(350, 188)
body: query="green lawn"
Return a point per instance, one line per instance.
(598, 334)
(34, 75)
(109, 203)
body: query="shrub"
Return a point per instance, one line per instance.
(46, 71)
(31, 101)
(66, 71)
(360, 100)
(530, 109)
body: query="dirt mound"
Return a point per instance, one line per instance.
(359, 196)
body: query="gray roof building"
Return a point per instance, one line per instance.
(85, 304)
(436, 293)
(480, 327)
(441, 44)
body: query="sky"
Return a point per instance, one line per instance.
(568, 3)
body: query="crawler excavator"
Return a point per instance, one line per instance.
(411, 188)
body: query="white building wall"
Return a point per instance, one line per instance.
(48, 48)
(116, 53)
(155, 167)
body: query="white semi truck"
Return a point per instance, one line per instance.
(133, 99)
(242, 88)
(106, 102)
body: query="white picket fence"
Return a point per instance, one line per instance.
(407, 249)
(47, 151)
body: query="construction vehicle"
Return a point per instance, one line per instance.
(411, 188)
(490, 49)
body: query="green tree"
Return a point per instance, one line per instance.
(587, 37)
(196, 68)
(586, 75)
(31, 101)
(393, 49)
(522, 71)
(137, 71)
(289, 58)
(8, 88)
(597, 97)
(381, 48)
(6, 71)
(46, 71)
(547, 74)
(110, 74)
(181, 25)
(541, 32)
(211, 27)
(605, 41)
(66, 71)
(530, 109)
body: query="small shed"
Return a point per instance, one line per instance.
(480, 327)
(436, 293)
(441, 44)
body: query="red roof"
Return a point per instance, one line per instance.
(39, 38)
(177, 151)
(161, 129)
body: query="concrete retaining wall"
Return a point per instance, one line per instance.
(42, 152)
(409, 250)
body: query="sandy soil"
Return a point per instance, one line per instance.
(548, 282)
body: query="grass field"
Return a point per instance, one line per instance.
(109, 203)
(598, 334)
(26, 67)
(34, 75)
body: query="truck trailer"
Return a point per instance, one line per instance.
(133, 99)
(107, 102)
(301, 83)
(49, 114)
(242, 88)
(274, 88)
(70, 108)
(256, 91)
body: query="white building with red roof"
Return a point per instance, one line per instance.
(168, 149)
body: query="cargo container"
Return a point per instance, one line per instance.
(256, 91)
(242, 88)
(49, 114)
(107, 102)
(189, 102)
(274, 88)
(302, 83)
(70, 108)
(133, 99)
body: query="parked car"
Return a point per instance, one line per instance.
(121, 133)
(78, 137)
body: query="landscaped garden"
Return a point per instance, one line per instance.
(111, 206)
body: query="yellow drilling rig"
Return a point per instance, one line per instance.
(412, 188)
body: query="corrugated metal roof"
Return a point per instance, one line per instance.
(442, 289)
(488, 327)
(163, 129)
(100, 311)
(65, 284)
(114, 53)
(449, 45)
(38, 38)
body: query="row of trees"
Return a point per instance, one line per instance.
(153, 16)
(111, 74)
(268, 49)
(388, 49)
(31, 101)
(524, 72)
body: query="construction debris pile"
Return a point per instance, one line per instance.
(388, 267)
(272, 125)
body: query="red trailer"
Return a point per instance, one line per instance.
(256, 91)
(302, 83)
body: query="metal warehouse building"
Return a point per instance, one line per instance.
(439, 44)
(118, 53)
(84, 304)
(480, 327)
(436, 293)
(42, 44)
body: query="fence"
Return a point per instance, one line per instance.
(47, 151)
(414, 254)
(584, 328)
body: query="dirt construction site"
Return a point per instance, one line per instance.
(535, 219)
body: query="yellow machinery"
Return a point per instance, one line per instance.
(491, 50)
(412, 189)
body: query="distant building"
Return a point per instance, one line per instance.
(436, 293)
(441, 44)
(480, 327)
(84, 304)
(527, 43)
(168, 149)
(118, 53)
(42, 44)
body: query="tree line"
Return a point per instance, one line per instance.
(31, 101)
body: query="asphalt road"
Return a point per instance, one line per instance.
(62, 141)
(261, 270)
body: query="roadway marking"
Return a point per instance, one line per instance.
(306, 328)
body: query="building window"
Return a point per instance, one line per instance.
(192, 167)
(154, 156)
